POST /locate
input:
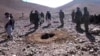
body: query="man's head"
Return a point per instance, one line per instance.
(7, 14)
(85, 8)
(60, 10)
(78, 8)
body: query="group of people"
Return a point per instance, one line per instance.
(34, 15)
(37, 18)
(95, 19)
(78, 17)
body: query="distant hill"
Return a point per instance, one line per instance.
(17, 7)
(93, 6)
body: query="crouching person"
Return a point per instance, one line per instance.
(9, 27)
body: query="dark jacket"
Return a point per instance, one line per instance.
(11, 23)
(48, 16)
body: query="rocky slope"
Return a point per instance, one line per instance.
(71, 43)
(80, 46)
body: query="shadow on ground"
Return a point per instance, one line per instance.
(90, 37)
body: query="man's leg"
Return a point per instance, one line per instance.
(62, 23)
(36, 26)
(86, 27)
(10, 36)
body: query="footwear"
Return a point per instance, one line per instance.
(10, 38)
(60, 26)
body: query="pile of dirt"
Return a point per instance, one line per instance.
(54, 36)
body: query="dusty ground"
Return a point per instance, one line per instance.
(74, 43)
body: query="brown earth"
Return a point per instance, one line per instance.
(60, 36)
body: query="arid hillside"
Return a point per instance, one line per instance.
(17, 7)
(93, 6)
(48, 40)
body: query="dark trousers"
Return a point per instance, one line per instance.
(86, 27)
(72, 19)
(78, 25)
(49, 21)
(36, 25)
(62, 22)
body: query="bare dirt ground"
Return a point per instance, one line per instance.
(69, 43)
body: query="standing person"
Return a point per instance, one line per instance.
(31, 17)
(61, 16)
(42, 18)
(22, 15)
(78, 17)
(13, 21)
(73, 16)
(42, 15)
(36, 19)
(9, 25)
(86, 19)
(48, 18)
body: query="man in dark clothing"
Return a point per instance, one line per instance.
(9, 27)
(42, 18)
(48, 18)
(78, 17)
(73, 16)
(36, 19)
(42, 14)
(31, 17)
(99, 18)
(86, 19)
(61, 16)
(13, 21)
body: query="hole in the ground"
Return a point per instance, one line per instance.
(47, 35)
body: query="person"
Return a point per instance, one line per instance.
(61, 16)
(86, 19)
(22, 15)
(36, 19)
(91, 19)
(42, 15)
(13, 21)
(78, 17)
(99, 18)
(31, 17)
(48, 18)
(9, 25)
(42, 18)
(73, 15)
(95, 17)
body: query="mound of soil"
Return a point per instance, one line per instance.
(54, 36)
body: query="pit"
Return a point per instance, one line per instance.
(47, 35)
(53, 36)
